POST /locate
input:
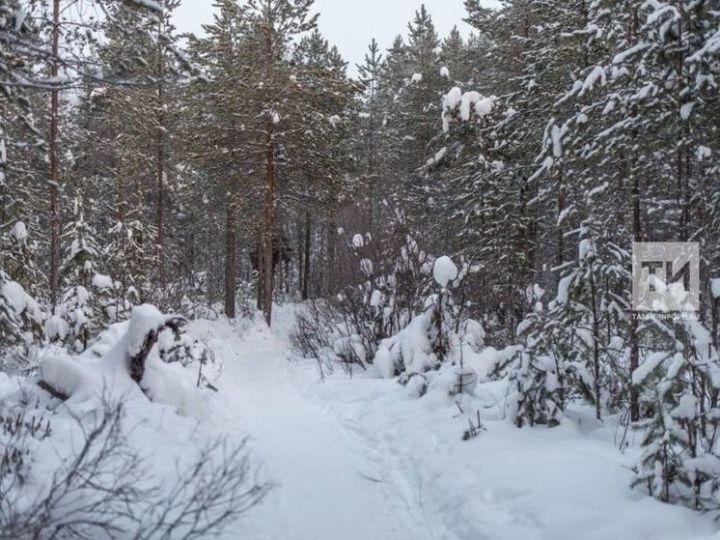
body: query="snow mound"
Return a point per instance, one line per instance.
(108, 369)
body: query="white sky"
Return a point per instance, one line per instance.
(351, 24)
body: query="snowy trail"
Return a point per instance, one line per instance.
(328, 478)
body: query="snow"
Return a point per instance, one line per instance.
(465, 103)
(105, 369)
(416, 78)
(484, 106)
(19, 231)
(365, 457)
(444, 271)
(149, 4)
(686, 408)
(647, 367)
(445, 72)
(703, 152)
(686, 110)
(469, 99)
(410, 349)
(564, 289)
(453, 98)
(366, 267)
(474, 334)
(358, 241)
(597, 74)
(557, 133)
(15, 295)
(143, 319)
(101, 281)
(715, 287)
(624, 55)
(505, 484)
(586, 249)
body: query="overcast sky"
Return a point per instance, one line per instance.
(351, 24)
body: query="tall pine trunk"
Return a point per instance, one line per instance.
(230, 259)
(306, 259)
(54, 161)
(160, 142)
(269, 225)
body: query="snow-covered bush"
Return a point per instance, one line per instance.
(97, 484)
(429, 338)
(401, 316)
(678, 388)
(348, 329)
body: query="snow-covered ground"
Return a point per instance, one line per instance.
(362, 459)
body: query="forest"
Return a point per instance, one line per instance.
(454, 225)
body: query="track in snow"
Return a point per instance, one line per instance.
(330, 483)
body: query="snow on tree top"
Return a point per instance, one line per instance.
(444, 271)
(416, 78)
(445, 72)
(465, 103)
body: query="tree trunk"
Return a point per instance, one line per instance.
(561, 204)
(269, 225)
(160, 141)
(260, 273)
(267, 242)
(54, 162)
(634, 330)
(716, 322)
(230, 260)
(596, 344)
(306, 259)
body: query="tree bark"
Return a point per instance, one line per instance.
(634, 330)
(269, 226)
(54, 162)
(230, 260)
(306, 259)
(267, 241)
(160, 142)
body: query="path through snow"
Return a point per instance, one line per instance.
(322, 489)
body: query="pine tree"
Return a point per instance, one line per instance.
(80, 309)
